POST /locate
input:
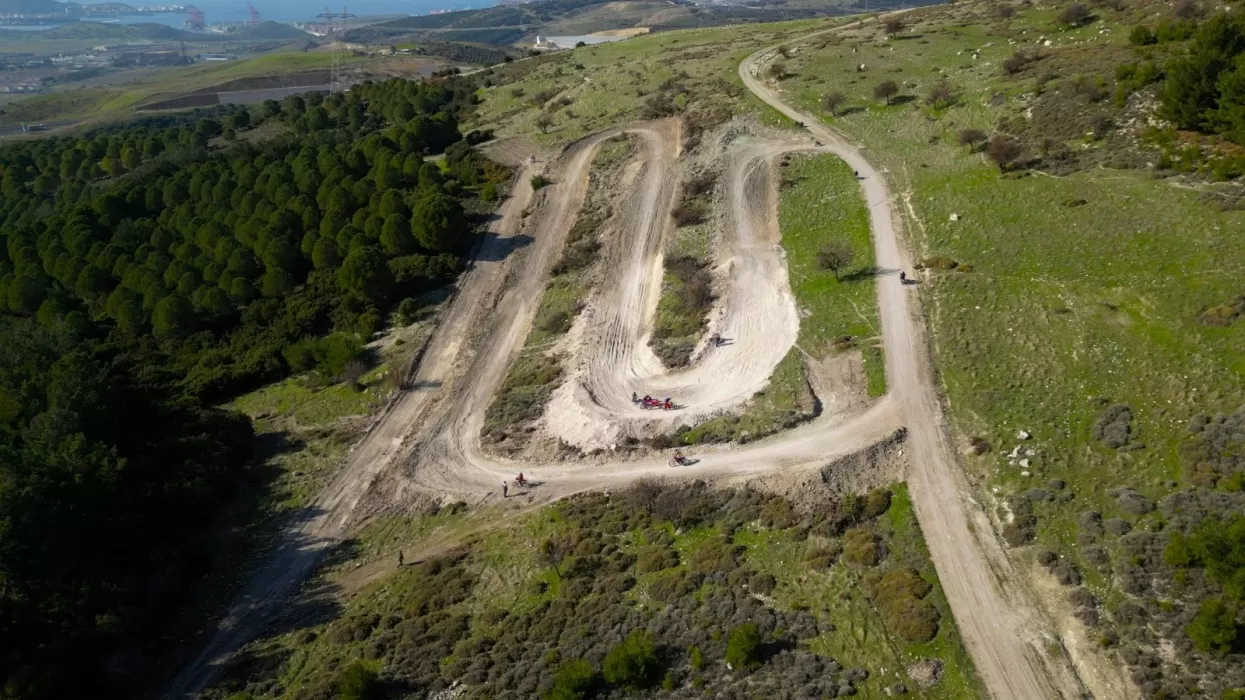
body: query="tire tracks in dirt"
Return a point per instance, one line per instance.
(1007, 636)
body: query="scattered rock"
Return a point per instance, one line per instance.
(897, 689)
(925, 673)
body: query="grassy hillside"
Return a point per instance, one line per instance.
(652, 592)
(1084, 297)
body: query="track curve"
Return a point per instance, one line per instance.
(428, 439)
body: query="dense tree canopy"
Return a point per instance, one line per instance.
(1205, 89)
(107, 478)
(149, 268)
(154, 230)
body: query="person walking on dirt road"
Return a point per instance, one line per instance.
(401, 559)
(505, 488)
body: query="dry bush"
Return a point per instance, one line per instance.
(689, 213)
(941, 95)
(835, 256)
(1075, 15)
(1005, 151)
(1005, 11)
(1114, 426)
(893, 25)
(1017, 62)
(832, 102)
(862, 548)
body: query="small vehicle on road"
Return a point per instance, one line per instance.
(681, 460)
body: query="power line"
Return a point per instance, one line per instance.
(337, 25)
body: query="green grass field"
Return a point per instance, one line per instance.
(820, 206)
(609, 83)
(1071, 291)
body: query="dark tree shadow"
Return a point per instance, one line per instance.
(903, 99)
(864, 273)
(848, 111)
(494, 248)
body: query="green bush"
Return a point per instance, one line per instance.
(633, 664)
(539, 181)
(743, 647)
(574, 681)
(877, 502)
(358, 682)
(862, 548)
(656, 558)
(1214, 627)
(696, 659)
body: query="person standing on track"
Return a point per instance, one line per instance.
(505, 488)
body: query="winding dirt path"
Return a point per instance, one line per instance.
(1001, 625)
(428, 440)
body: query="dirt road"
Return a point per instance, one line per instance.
(323, 523)
(428, 440)
(1001, 625)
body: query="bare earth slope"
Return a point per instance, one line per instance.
(1001, 625)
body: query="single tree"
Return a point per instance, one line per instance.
(833, 101)
(973, 138)
(1006, 11)
(893, 25)
(778, 71)
(835, 256)
(885, 90)
(1005, 151)
(438, 222)
(553, 551)
(543, 122)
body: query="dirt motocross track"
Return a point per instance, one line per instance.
(432, 431)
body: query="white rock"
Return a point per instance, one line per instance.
(1029, 452)
(955, 217)
(1046, 43)
(1024, 463)
(1025, 474)
(1022, 435)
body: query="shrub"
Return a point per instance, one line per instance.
(910, 618)
(833, 101)
(1074, 15)
(893, 25)
(688, 213)
(835, 256)
(1113, 426)
(1017, 62)
(1214, 626)
(633, 664)
(1005, 151)
(886, 90)
(762, 583)
(656, 558)
(539, 181)
(574, 681)
(1142, 35)
(972, 138)
(822, 557)
(778, 71)
(743, 647)
(877, 502)
(358, 682)
(862, 548)
(941, 95)
(696, 659)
